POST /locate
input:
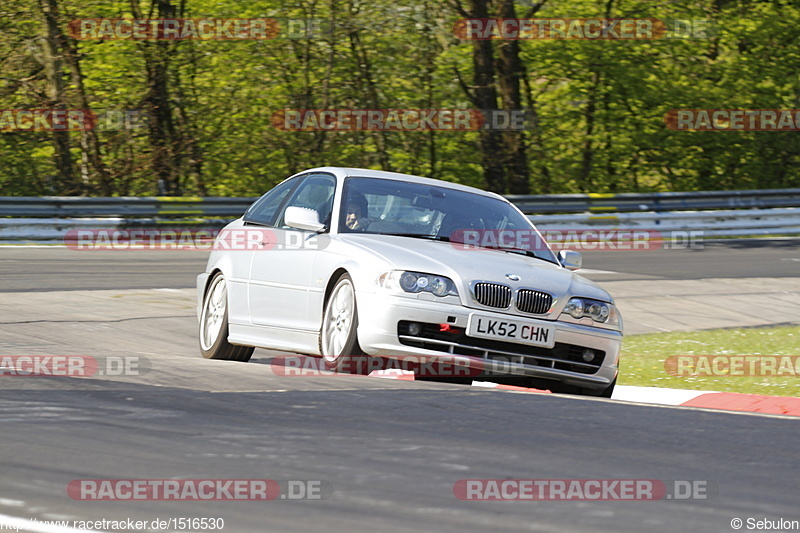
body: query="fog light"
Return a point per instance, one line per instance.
(414, 328)
(587, 355)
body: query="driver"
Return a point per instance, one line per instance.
(355, 214)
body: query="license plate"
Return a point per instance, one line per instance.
(519, 331)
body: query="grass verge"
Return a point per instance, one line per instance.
(643, 360)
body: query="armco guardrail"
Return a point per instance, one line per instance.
(771, 212)
(657, 201)
(124, 206)
(672, 225)
(177, 207)
(703, 224)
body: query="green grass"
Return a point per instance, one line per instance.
(643, 356)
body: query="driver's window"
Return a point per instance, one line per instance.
(316, 192)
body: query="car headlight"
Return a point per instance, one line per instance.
(415, 282)
(602, 312)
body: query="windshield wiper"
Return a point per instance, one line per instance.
(526, 253)
(419, 236)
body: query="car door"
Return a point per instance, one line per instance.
(281, 273)
(259, 219)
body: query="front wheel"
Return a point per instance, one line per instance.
(214, 325)
(338, 339)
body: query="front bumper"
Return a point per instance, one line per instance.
(383, 331)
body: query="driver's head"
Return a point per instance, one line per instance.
(356, 209)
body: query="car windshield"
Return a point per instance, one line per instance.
(392, 207)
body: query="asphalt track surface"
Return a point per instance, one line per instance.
(389, 451)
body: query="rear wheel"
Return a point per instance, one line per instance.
(338, 339)
(214, 325)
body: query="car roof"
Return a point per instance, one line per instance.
(382, 174)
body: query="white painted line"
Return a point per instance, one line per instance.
(593, 271)
(54, 245)
(11, 503)
(487, 384)
(393, 373)
(656, 395)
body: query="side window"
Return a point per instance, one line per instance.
(266, 207)
(316, 192)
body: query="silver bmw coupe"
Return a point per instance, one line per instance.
(354, 265)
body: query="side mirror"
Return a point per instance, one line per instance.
(302, 218)
(570, 259)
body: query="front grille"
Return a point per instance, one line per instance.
(562, 356)
(531, 301)
(492, 295)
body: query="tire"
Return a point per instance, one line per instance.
(338, 336)
(213, 331)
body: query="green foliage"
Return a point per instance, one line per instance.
(600, 104)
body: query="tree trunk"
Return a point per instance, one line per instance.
(510, 70)
(588, 146)
(165, 157)
(485, 96)
(67, 184)
(361, 58)
(95, 174)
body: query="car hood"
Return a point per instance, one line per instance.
(464, 266)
